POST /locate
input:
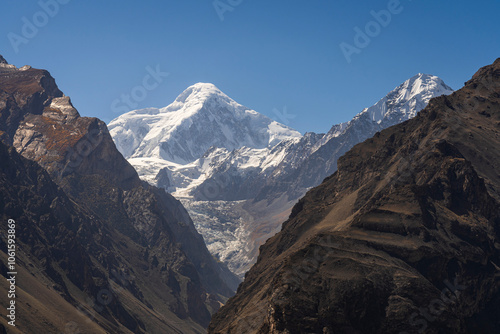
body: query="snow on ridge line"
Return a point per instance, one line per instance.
(409, 97)
(201, 112)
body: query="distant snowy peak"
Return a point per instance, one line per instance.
(193, 98)
(409, 98)
(200, 117)
(399, 105)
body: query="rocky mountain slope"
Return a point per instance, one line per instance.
(239, 173)
(100, 250)
(402, 238)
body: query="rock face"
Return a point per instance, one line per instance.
(402, 238)
(239, 173)
(117, 254)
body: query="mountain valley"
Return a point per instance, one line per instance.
(239, 173)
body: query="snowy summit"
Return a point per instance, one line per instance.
(201, 117)
(408, 98)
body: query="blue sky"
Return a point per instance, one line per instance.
(267, 55)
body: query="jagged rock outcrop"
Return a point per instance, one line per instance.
(403, 238)
(131, 239)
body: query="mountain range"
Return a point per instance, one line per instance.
(403, 238)
(398, 230)
(238, 172)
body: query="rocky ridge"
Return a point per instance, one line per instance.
(402, 238)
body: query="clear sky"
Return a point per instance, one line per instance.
(267, 55)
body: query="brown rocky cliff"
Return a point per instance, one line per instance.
(148, 233)
(403, 238)
(57, 242)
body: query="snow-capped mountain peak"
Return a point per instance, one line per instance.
(202, 116)
(399, 105)
(200, 91)
(195, 96)
(408, 98)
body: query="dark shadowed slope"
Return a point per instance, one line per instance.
(404, 237)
